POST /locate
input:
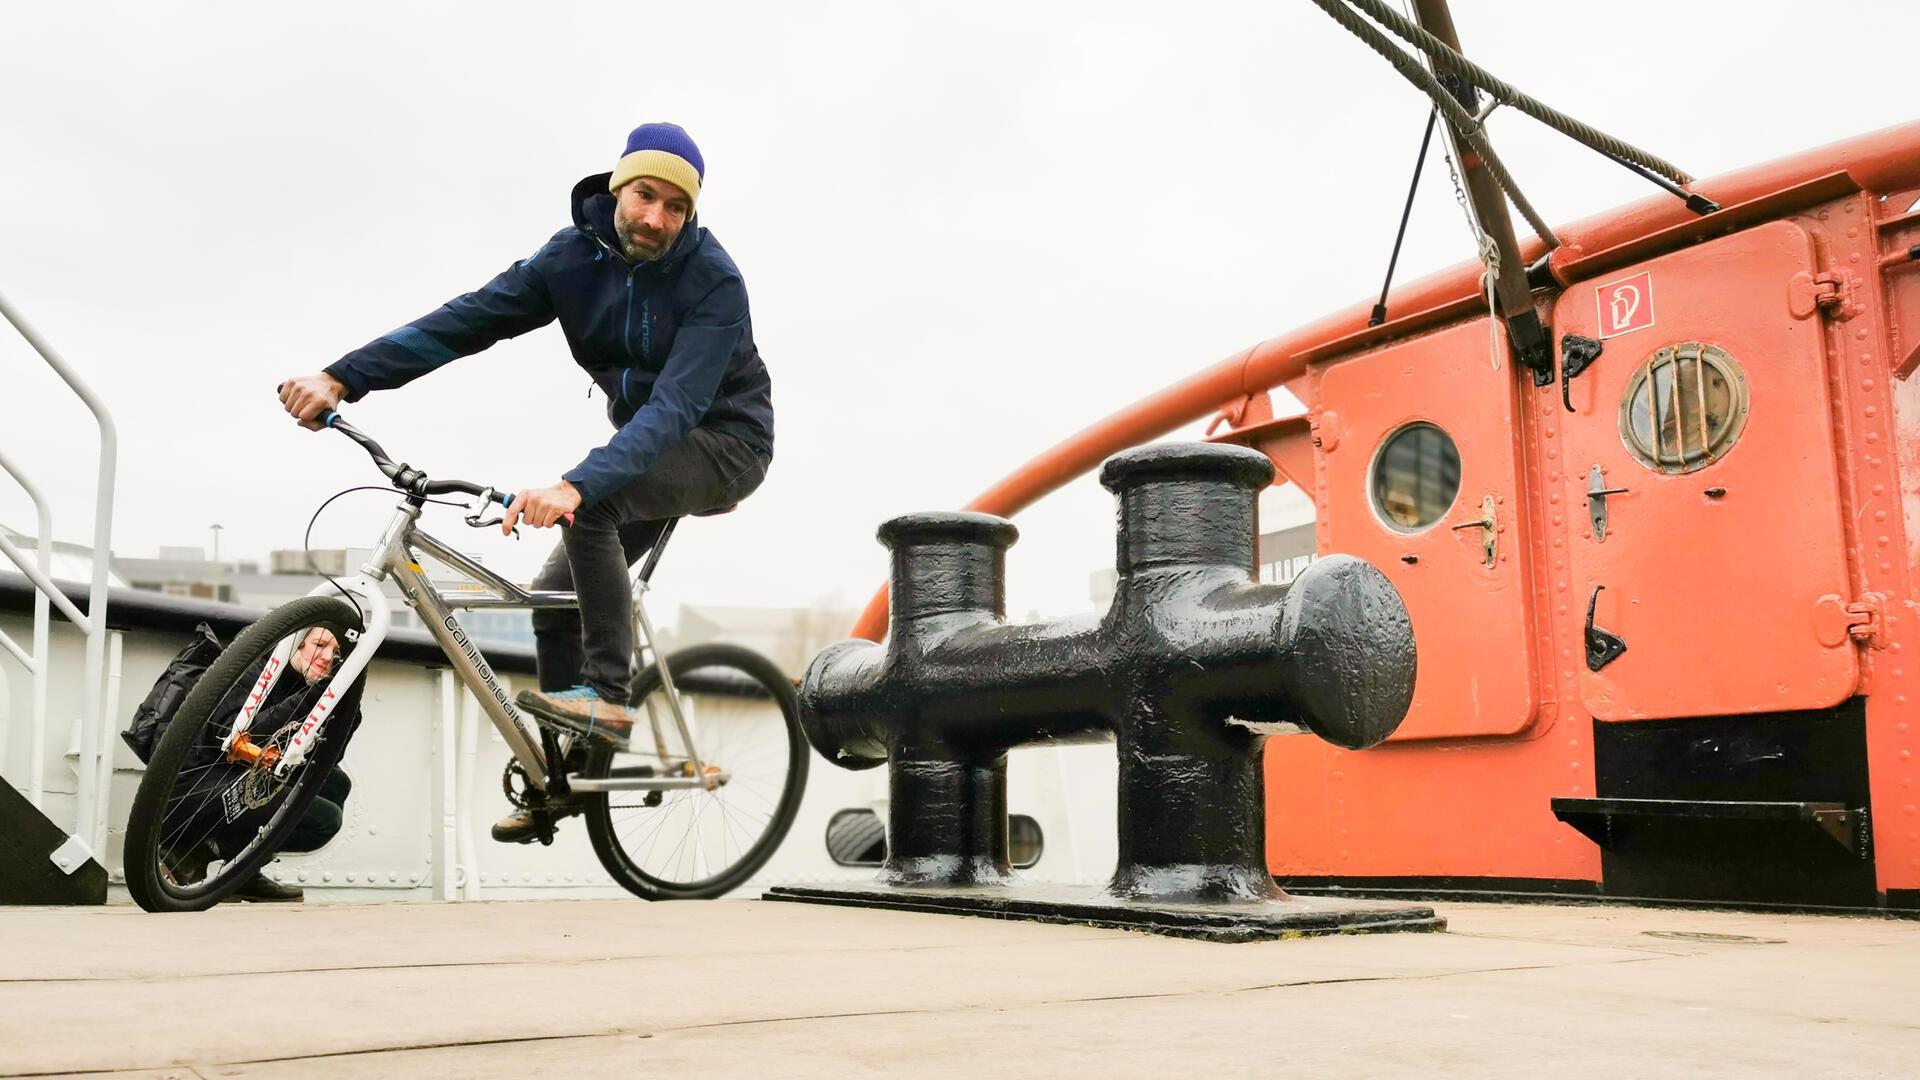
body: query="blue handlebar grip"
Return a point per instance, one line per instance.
(327, 418)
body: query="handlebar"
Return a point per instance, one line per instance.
(411, 480)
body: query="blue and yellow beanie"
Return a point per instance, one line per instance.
(663, 151)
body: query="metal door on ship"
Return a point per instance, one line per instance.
(1701, 484)
(1421, 479)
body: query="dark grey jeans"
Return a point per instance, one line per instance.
(325, 815)
(593, 646)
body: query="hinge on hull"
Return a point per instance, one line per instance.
(1830, 292)
(1836, 621)
(1864, 623)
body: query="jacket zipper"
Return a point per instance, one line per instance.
(626, 321)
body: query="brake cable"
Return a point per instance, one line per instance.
(306, 540)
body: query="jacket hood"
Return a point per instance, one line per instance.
(593, 215)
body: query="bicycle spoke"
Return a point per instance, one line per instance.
(699, 841)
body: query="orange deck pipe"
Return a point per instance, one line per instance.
(1885, 160)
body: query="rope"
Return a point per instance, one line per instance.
(1449, 60)
(1490, 254)
(1463, 122)
(1380, 309)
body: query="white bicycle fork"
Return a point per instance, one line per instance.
(379, 617)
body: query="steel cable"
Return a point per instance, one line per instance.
(1450, 61)
(1463, 122)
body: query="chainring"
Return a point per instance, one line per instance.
(520, 791)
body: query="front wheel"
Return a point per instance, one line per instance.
(212, 810)
(696, 843)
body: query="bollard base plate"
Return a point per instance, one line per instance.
(1289, 917)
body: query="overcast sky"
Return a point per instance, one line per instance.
(968, 230)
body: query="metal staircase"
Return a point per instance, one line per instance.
(41, 862)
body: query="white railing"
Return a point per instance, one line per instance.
(94, 768)
(36, 662)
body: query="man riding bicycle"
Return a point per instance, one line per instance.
(656, 312)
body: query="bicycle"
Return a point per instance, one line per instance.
(688, 812)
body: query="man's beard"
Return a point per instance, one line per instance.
(636, 253)
(631, 239)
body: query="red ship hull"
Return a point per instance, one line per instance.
(1752, 431)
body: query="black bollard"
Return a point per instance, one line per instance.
(1189, 671)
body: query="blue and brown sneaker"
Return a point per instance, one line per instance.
(581, 711)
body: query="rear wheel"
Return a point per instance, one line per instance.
(206, 819)
(696, 843)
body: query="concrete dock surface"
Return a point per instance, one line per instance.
(758, 989)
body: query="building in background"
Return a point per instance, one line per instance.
(1286, 552)
(66, 562)
(291, 574)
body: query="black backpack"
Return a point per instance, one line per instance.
(150, 720)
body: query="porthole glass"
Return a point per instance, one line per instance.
(1685, 408)
(1415, 477)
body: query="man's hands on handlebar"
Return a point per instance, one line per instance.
(541, 507)
(313, 397)
(309, 396)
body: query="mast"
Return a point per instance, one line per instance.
(1528, 337)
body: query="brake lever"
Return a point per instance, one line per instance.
(496, 499)
(481, 521)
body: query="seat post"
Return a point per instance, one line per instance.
(653, 556)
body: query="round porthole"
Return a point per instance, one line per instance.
(1685, 408)
(1415, 476)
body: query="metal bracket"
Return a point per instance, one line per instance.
(1597, 493)
(1848, 827)
(1577, 354)
(1532, 343)
(71, 855)
(1603, 648)
(1489, 527)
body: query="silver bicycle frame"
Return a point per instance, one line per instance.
(394, 556)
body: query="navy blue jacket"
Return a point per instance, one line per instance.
(668, 340)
